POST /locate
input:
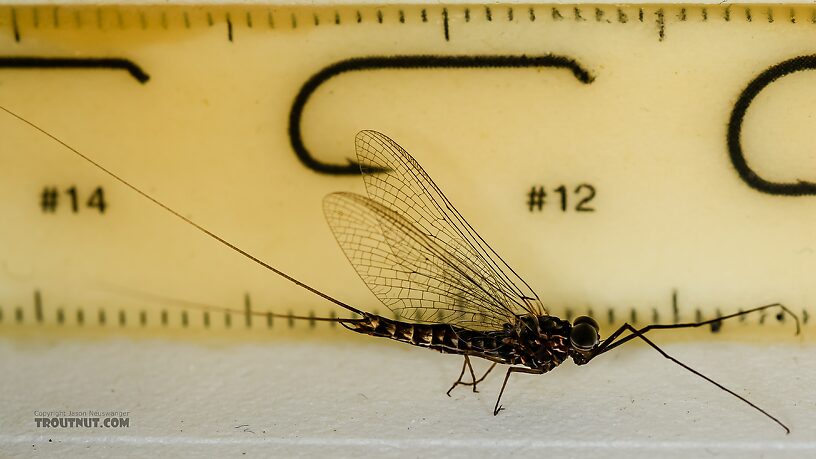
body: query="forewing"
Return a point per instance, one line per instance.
(414, 276)
(408, 190)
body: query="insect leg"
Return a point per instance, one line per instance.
(477, 381)
(639, 334)
(484, 375)
(472, 374)
(612, 342)
(510, 370)
(459, 379)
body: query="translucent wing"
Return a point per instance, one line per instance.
(409, 271)
(480, 285)
(409, 190)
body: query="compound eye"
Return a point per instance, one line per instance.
(584, 335)
(585, 320)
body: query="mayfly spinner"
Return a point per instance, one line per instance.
(450, 290)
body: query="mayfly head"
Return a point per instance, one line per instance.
(584, 339)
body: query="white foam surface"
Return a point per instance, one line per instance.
(382, 399)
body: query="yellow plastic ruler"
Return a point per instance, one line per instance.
(641, 163)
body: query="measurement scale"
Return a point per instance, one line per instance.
(635, 163)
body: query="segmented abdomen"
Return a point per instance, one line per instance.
(441, 337)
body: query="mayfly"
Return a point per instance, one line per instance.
(450, 291)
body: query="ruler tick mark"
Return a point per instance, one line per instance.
(359, 17)
(510, 14)
(380, 16)
(488, 14)
(402, 17)
(336, 18)
(18, 314)
(661, 25)
(143, 20)
(163, 20)
(748, 14)
(186, 20)
(15, 27)
(101, 317)
(682, 15)
(578, 15)
(727, 14)
(249, 19)
(80, 316)
(143, 318)
(424, 15)
(316, 19)
(532, 15)
(467, 15)
(38, 307)
(35, 17)
(622, 18)
(675, 307)
(122, 318)
(294, 21)
(556, 15)
(164, 318)
(247, 311)
(184, 319)
(60, 316)
(716, 326)
(640, 14)
(445, 23)
(229, 27)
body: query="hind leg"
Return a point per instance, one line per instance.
(467, 365)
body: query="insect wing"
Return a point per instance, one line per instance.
(407, 189)
(408, 270)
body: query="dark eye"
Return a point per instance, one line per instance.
(584, 335)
